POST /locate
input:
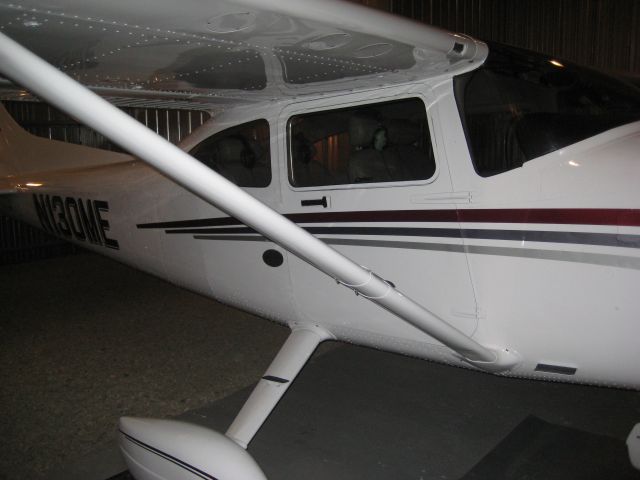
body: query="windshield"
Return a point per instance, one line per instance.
(521, 105)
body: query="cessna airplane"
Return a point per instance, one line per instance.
(363, 178)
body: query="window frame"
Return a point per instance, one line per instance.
(299, 109)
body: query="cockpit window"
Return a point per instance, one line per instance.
(521, 105)
(240, 154)
(383, 142)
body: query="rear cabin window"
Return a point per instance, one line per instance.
(240, 154)
(521, 105)
(384, 142)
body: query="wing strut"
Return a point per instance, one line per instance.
(50, 84)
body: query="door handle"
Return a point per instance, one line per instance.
(315, 202)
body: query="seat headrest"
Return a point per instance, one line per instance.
(402, 132)
(361, 130)
(236, 150)
(302, 149)
(230, 150)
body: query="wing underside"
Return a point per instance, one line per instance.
(209, 55)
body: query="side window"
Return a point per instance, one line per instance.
(240, 154)
(521, 105)
(383, 142)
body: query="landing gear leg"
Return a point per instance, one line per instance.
(285, 367)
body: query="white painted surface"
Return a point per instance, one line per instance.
(169, 450)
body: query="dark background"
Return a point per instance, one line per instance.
(599, 33)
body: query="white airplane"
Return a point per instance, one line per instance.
(363, 178)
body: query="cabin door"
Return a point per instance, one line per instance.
(208, 251)
(370, 181)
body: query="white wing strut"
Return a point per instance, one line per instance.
(50, 84)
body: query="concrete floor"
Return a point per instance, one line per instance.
(357, 413)
(85, 340)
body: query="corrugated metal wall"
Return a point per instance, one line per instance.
(20, 242)
(45, 121)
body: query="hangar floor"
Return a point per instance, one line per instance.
(85, 340)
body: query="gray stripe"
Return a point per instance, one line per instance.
(619, 261)
(583, 238)
(544, 236)
(563, 255)
(439, 247)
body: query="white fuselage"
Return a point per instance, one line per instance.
(544, 258)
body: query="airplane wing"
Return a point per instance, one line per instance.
(200, 54)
